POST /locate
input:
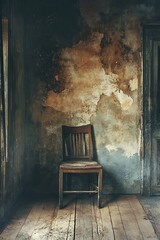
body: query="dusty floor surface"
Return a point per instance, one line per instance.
(121, 218)
(151, 206)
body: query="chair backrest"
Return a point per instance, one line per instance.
(77, 142)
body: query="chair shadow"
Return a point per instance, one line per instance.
(114, 184)
(68, 200)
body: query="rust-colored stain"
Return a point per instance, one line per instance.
(92, 71)
(96, 79)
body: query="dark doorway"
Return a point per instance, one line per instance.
(151, 100)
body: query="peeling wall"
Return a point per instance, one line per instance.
(88, 72)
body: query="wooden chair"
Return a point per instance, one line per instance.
(77, 144)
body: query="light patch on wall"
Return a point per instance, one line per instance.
(51, 129)
(131, 70)
(128, 151)
(111, 148)
(133, 84)
(124, 100)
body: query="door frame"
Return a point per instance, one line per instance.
(149, 34)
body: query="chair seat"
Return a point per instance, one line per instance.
(80, 164)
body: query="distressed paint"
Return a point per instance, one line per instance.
(86, 83)
(122, 173)
(94, 76)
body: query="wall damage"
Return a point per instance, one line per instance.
(86, 83)
(95, 77)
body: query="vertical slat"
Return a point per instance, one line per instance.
(90, 146)
(81, 145)
(78, 144)
(73, 145)
(65, 148)
(70, 144)
(85, 144)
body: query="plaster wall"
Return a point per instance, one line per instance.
(94, 76)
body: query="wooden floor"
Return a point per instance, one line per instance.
(152, 208)
(120, 219)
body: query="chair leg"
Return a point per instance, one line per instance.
(60, 188)
(100, 188)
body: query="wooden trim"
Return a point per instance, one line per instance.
(80, 191)
(81, 170)
(150, 32)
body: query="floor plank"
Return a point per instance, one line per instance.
(98, 221)
(151, 205)
(43, 225)
(129, 221)
(30, 222)
(143, 222)
(62, 227)
(121, 219)
(95, 232)
(12, 229)
(104, 223)
(118, 227)
(83, 227)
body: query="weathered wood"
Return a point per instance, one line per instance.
(16, 223)
(107, 224)
(103, 224)
(98, 221)
(77, 157)
(5, 44)
(118, 227)
(123, 219)
(151, 206)
(71, 226)
(30, 222)
(129, 221)
(83, 227)
(143, 222)
(62, 227)
(151, 115)
(94, 223)
(43, 225)
(80, 192)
